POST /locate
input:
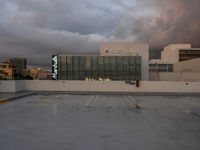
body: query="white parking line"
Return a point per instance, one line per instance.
(59, 96)
(129, 102)
(92, 101)
(95, 100)
(132, 102)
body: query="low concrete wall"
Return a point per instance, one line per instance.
(7, 86)
(98, 86)
(91, 86)
(20, 86)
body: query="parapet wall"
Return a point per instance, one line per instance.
(7, 86)
(99, 86)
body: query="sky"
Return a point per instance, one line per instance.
(36, 29)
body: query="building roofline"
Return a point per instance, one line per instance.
(95, 55)
(189, 49)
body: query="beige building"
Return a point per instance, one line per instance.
(44, 75)
(174, 53)
(26, 72)
(6, 71)
(185, 63)
(175, 76)
(192, 65)
(35, 71)
(156, 61)
(128, 49)
(188, 71)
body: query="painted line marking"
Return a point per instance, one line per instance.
(132, 102)
(129, 102)
(95, 100)
(89, 101)
(59, 96)
(92, 101)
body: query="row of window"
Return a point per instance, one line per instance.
(98, 76)
(189, 52)
(96, 67)
(161, 68)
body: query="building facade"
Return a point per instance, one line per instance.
(128, 49)
(175, 53)
(99, 67)
(18, 65)
(34, 72)
(189, 54)
(117, 62)
(44, 75)
(179, 62)
(160, 67)
(192, 65)
(6, 71)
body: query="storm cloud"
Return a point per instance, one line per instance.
(36, 29)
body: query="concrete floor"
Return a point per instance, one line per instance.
(100, 122)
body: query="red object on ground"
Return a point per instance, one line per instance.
(137, 83)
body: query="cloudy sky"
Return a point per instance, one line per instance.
(38, 28)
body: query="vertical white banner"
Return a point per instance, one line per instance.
(54, 67)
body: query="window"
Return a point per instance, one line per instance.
(82, 64)
(88, 63)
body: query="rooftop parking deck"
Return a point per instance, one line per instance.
(100, 122)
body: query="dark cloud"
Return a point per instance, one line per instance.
(38, 28)
(174, 21)
(39, 44)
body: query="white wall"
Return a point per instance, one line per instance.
(98, 86)
(20, 86)
(7, 86)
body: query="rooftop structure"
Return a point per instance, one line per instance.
(117, 61)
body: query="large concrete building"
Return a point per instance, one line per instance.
(117, 61)
(129, 49)
(174, 53)
(179, 62)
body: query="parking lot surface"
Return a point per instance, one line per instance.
(100, 122)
